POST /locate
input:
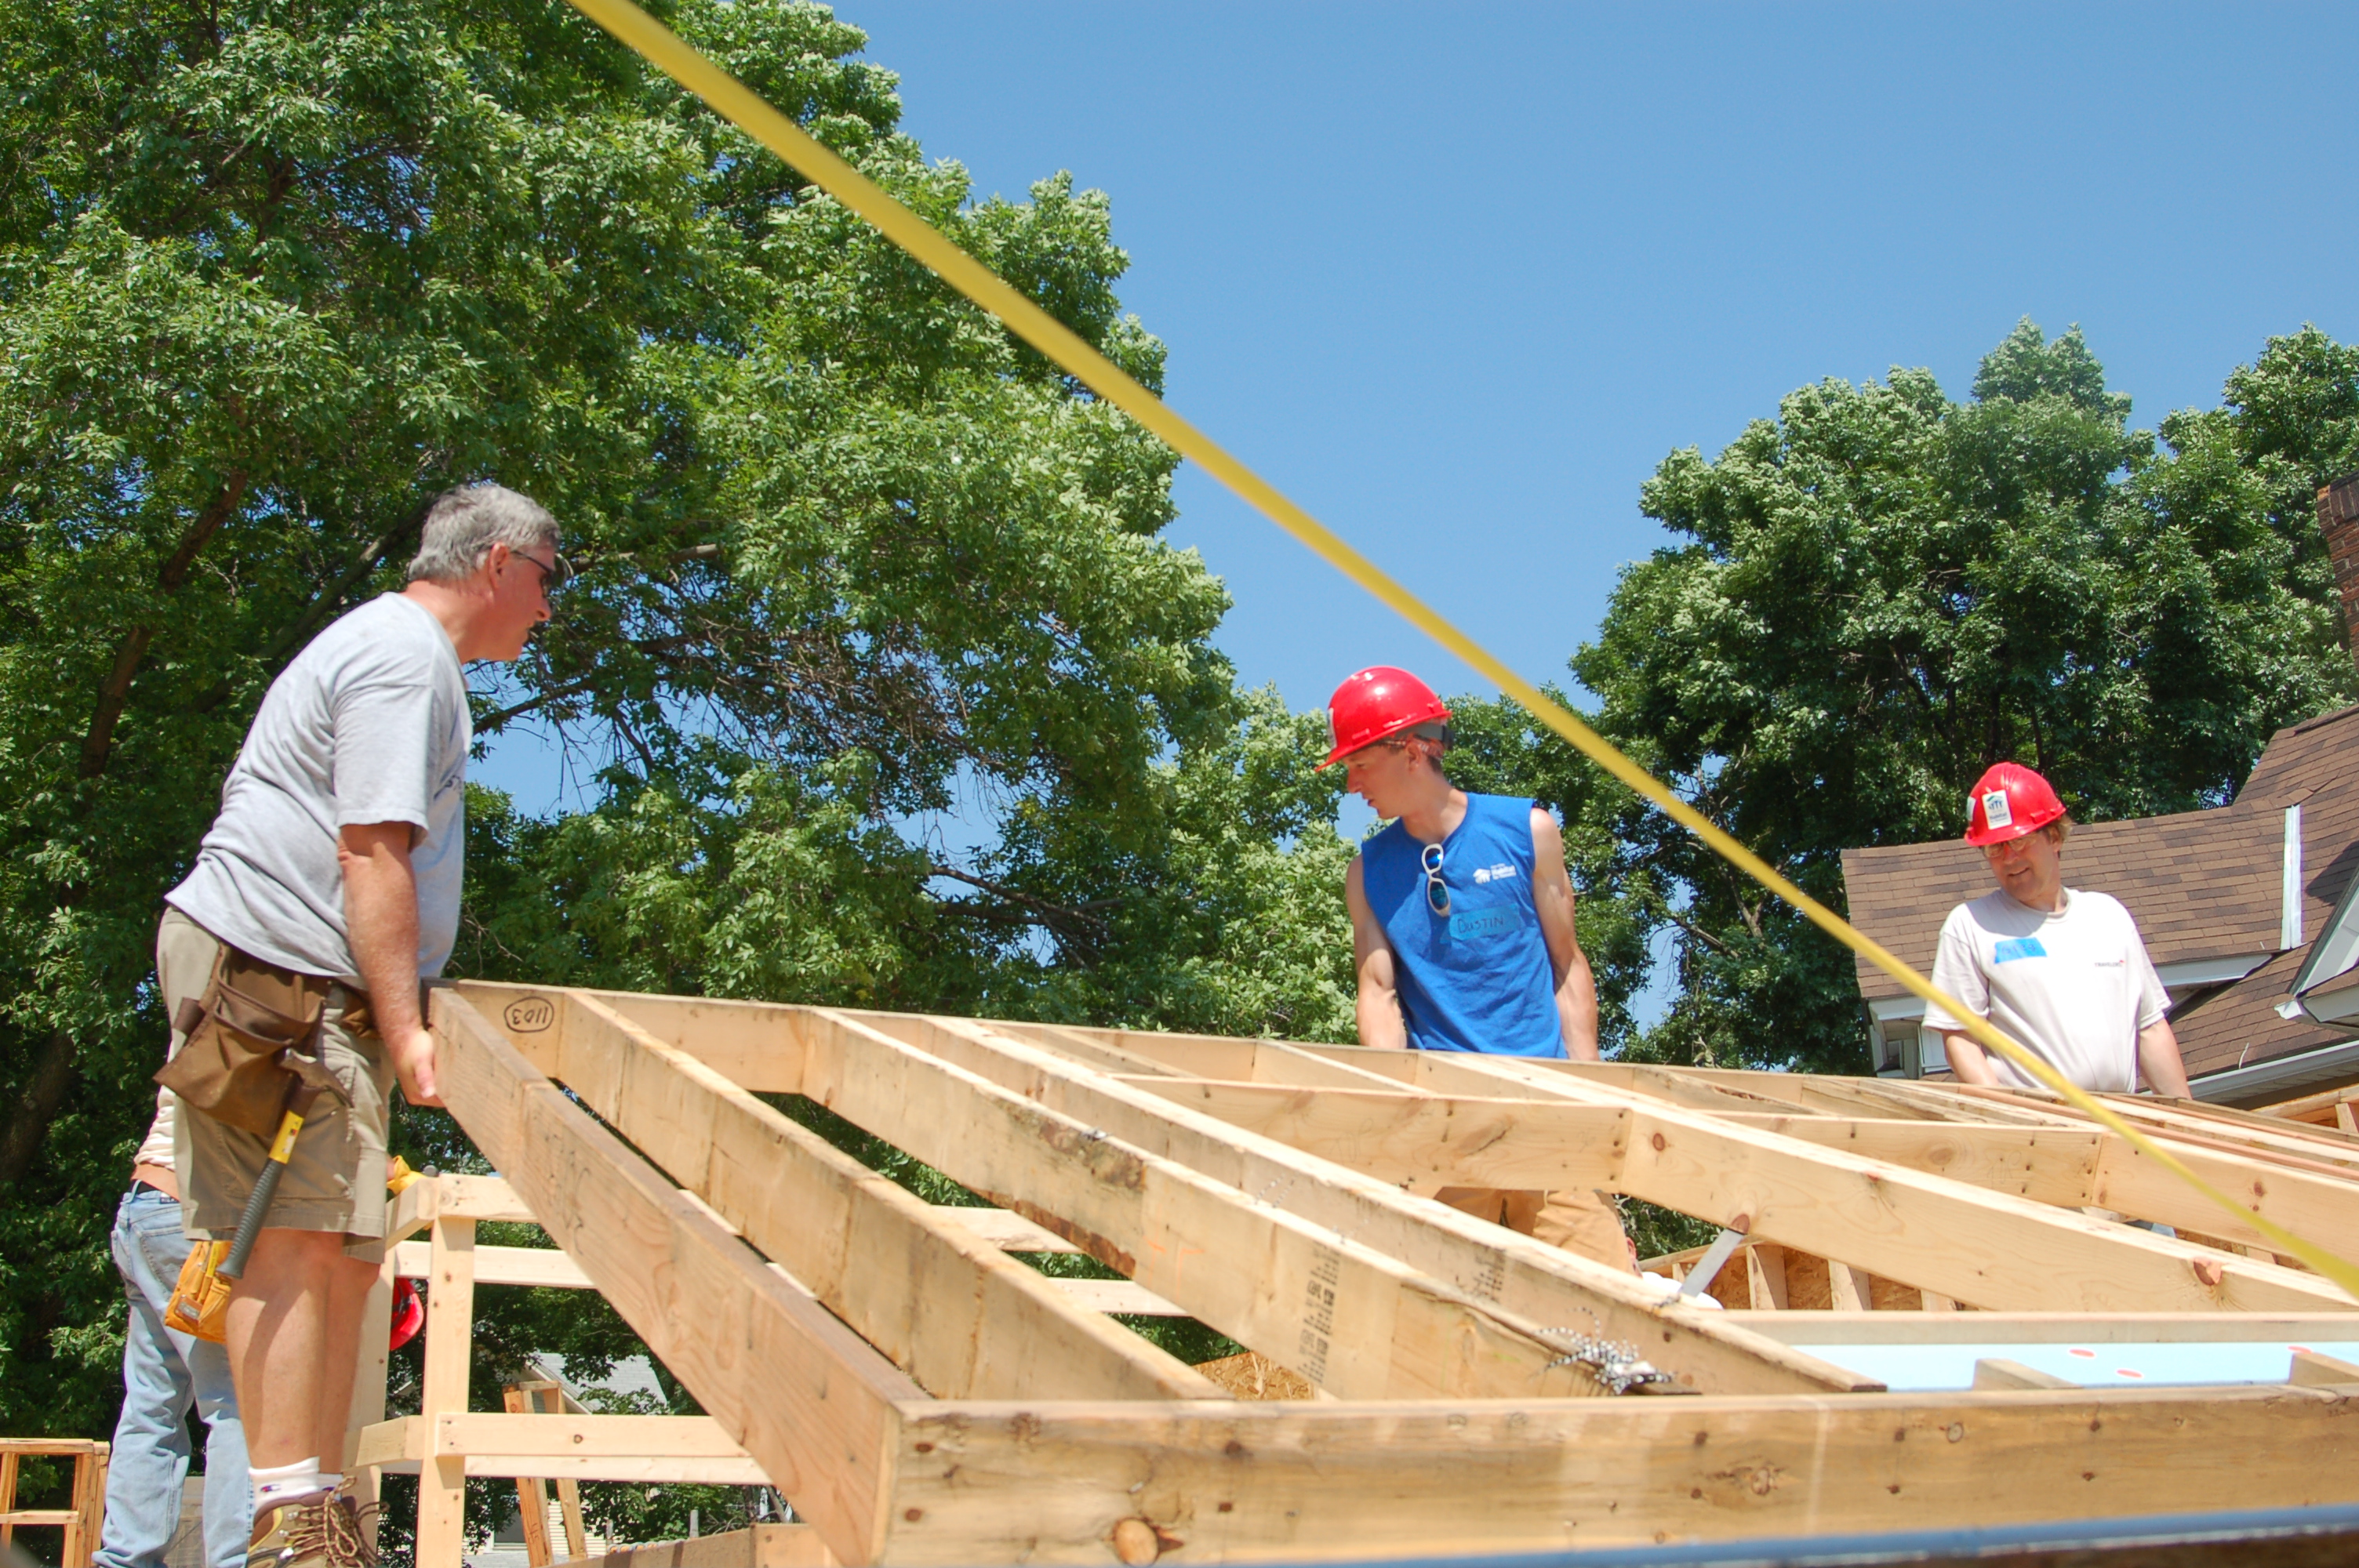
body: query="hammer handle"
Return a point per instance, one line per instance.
(266, 1185)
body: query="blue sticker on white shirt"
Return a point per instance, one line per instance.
(2018, 948)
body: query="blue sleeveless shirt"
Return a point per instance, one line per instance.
(1479, 978)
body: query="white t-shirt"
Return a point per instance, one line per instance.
(156, 1149)
(2075, 986)
(369, 724)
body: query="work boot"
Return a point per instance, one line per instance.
(296, 1534)
(352, 1532)
(323, 1531)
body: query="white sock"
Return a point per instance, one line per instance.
(276, 1484)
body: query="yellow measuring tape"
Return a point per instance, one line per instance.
(742, 107)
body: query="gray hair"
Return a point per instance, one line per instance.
(466, 521)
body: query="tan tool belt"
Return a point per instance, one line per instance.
(249, 1012)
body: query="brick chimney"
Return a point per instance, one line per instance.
(2337, 517)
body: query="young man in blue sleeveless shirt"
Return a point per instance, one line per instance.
(1462, 930)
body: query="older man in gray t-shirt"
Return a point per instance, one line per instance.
(337, 854)
(369, 725)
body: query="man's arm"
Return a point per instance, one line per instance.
(1576, 987)
(2159, 1063)
(1969, 1060)
(381, 924)
(1377, 1006)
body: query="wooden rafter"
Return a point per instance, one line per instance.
(922, 1396)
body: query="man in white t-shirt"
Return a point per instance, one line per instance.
(335, 862)
(2062, 972)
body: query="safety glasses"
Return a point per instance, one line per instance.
(555, 572)
(1437, 892)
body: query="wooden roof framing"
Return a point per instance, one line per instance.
(922, 1396)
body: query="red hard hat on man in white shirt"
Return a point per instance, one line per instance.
(2009, 801)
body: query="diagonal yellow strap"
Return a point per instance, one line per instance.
(738, 104)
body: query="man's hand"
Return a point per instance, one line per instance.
(413, 1061)
(381, 924)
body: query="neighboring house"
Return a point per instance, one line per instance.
(2250, 910)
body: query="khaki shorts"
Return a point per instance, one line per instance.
(1576, 1219)
(336, 1180)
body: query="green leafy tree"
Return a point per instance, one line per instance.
(273, 274)
(1883, 590)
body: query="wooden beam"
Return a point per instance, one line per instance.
(455, 1194)
(2317, 1207)
(1008, 1232)
(2259, 1136)
(1998, 1372)
(2089, 1165)
(369, 1375)
(2054, 1328)
(1422, 1142)
(450, 1345)
(763, 1546)
(1536, 1281)
(2317, 1109)
(1052, 1483)
(787, 1382)
(508, 1446)
(960, 1317)
(551, 1398)
(542, 1266)
(532, 1491)
(1765, 1275)
(597, 1447)
(1989, 1248)
(1127, 1297)
(1351, 1319)
(2312, 1371)
(2050, 1165)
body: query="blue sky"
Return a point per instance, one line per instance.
(1457, 278)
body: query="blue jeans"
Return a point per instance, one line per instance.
(163, 1371)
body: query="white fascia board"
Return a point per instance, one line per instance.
(2210, 971)
(2286, 1072)
(2336, 1006)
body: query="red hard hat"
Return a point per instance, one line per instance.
(2009, 801)
(408, 1313)
(1378, 701)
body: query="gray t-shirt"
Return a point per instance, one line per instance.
(369, 724)
(2075, 985)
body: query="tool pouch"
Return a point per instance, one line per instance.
(250, 1012)
(200, 1304)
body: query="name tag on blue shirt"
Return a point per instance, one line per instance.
(1473, 924)
(2018, 948)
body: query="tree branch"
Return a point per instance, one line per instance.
(38, 1108)
(649, 645)
(1077, 914)
(1698, 932)
(325, 602)
(98, 743)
